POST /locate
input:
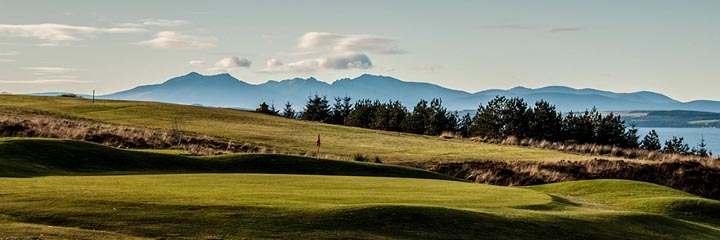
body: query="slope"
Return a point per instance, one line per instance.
(282, 133)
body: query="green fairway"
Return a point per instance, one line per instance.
(235, 206)
(639, 196)
(282, 133)
(80, 190)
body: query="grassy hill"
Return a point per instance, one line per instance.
(282, 133)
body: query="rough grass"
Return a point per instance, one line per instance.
(290, 135)
(237, 206)
(42, 157)
(689, 176)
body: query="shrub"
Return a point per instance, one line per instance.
(360, 158)
(70, 95)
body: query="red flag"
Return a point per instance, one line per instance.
(318, 141)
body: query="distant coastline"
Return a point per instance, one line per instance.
(671, 119)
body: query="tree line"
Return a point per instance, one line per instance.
(499, 118)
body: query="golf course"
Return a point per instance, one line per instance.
(54, 188)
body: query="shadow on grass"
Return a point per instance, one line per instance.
(355, 222)
(46, 157)
(556, 204)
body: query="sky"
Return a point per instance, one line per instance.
(670, 47)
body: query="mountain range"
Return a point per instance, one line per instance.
(223, 90)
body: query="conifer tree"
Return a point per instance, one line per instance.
(651, 141)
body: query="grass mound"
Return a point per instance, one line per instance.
(42, 157)
(639, 196)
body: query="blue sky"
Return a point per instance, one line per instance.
(669, 47)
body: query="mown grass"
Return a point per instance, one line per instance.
(282, 133)
(236, 206)
(639, 196)
(87, 203)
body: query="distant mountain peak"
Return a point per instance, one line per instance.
(194, 78)
(299, 79)
(371, 77)
(367, 75)
(196, 74)
(193, 74)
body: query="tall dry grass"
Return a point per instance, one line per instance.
(597, 150)
(697, 177)
(21, 122)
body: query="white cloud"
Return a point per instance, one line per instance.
(427, 67)
(6, 60)
(48, 75)
(10, 53)
(509, 26)
(130, 25)
(565, 29)
(302, 66)
(59, 34)
(198, 63)
(334, 51)
(170, 39)
(43, 81)
(48, 70)
(344, 43)
(164, 22)
(229, 64)
(344, 61)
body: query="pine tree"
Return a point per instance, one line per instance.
(288, 111)
(651, 141)
(609, 130)
(544, 123)
(702, 150)
(676, 145)
(397, 114)
(416, 122)
(337, 116)
(316, 109)
(515, 118)
(437, 118)
(464, 125)
(580, 128)
(381, 118)
(631, 137)
(346, 108)
(362, 115)
(488, 120)
(266, 109)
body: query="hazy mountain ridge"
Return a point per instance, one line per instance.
(223, 90)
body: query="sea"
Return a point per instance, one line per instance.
(691, 136)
